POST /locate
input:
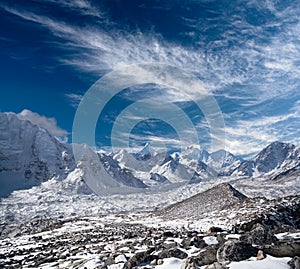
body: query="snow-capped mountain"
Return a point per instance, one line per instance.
(148, 169)
(29, 154)
(144, 154)
(218, 163)
(275, 159)
(192, 165)
(150, 166)
(121, 175)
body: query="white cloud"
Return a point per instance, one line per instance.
(247, 63)
(247, 137)
(260, 67)
(84, 7)
(49, 124)
(74, 99)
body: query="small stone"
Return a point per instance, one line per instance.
(160, 261)
(260, 255)
(168, 245)
(188, 264)
(168, 234)
(120, 258)
(62, 256)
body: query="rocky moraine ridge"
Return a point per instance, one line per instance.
(159, 239)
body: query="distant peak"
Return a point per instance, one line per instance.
(146, 149)
(280, 144)
(275, 146)
(226, 187)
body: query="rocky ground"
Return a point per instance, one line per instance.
(116, 242)
(219, 228)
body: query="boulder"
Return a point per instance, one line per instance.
(284, 249)
(140, 257)
(172, 252)
(294, 263)
(234, 250)
(186, 243)
(259, 235)
(205, 257)
(198, 242)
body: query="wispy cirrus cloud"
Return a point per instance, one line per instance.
(251, 59)
(247, 137)
(74, 99)
(83, 7)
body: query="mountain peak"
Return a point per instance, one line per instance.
(144, 154)
(273, 156)
(215, 198)
(30, 154)
(146, 149)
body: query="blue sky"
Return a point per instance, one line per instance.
(246, 53)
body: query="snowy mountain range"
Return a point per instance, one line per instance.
(48, 193)
(195, 165)
(30, 155)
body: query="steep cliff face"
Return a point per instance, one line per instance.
(29, 154)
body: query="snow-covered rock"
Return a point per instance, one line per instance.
(275, 159)
(145, 153)
(29, 155)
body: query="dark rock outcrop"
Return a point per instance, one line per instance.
(234, 250)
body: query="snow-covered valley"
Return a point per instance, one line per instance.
(51, 218)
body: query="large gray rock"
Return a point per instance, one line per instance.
(284, 249)
(234, 250)
(294, 263)
(199, 242)
(259, 235)
(205, 257)
(172, 252)
(140, 257)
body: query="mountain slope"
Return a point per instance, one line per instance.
(213, 199)
(275, 159)
(29, 155)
